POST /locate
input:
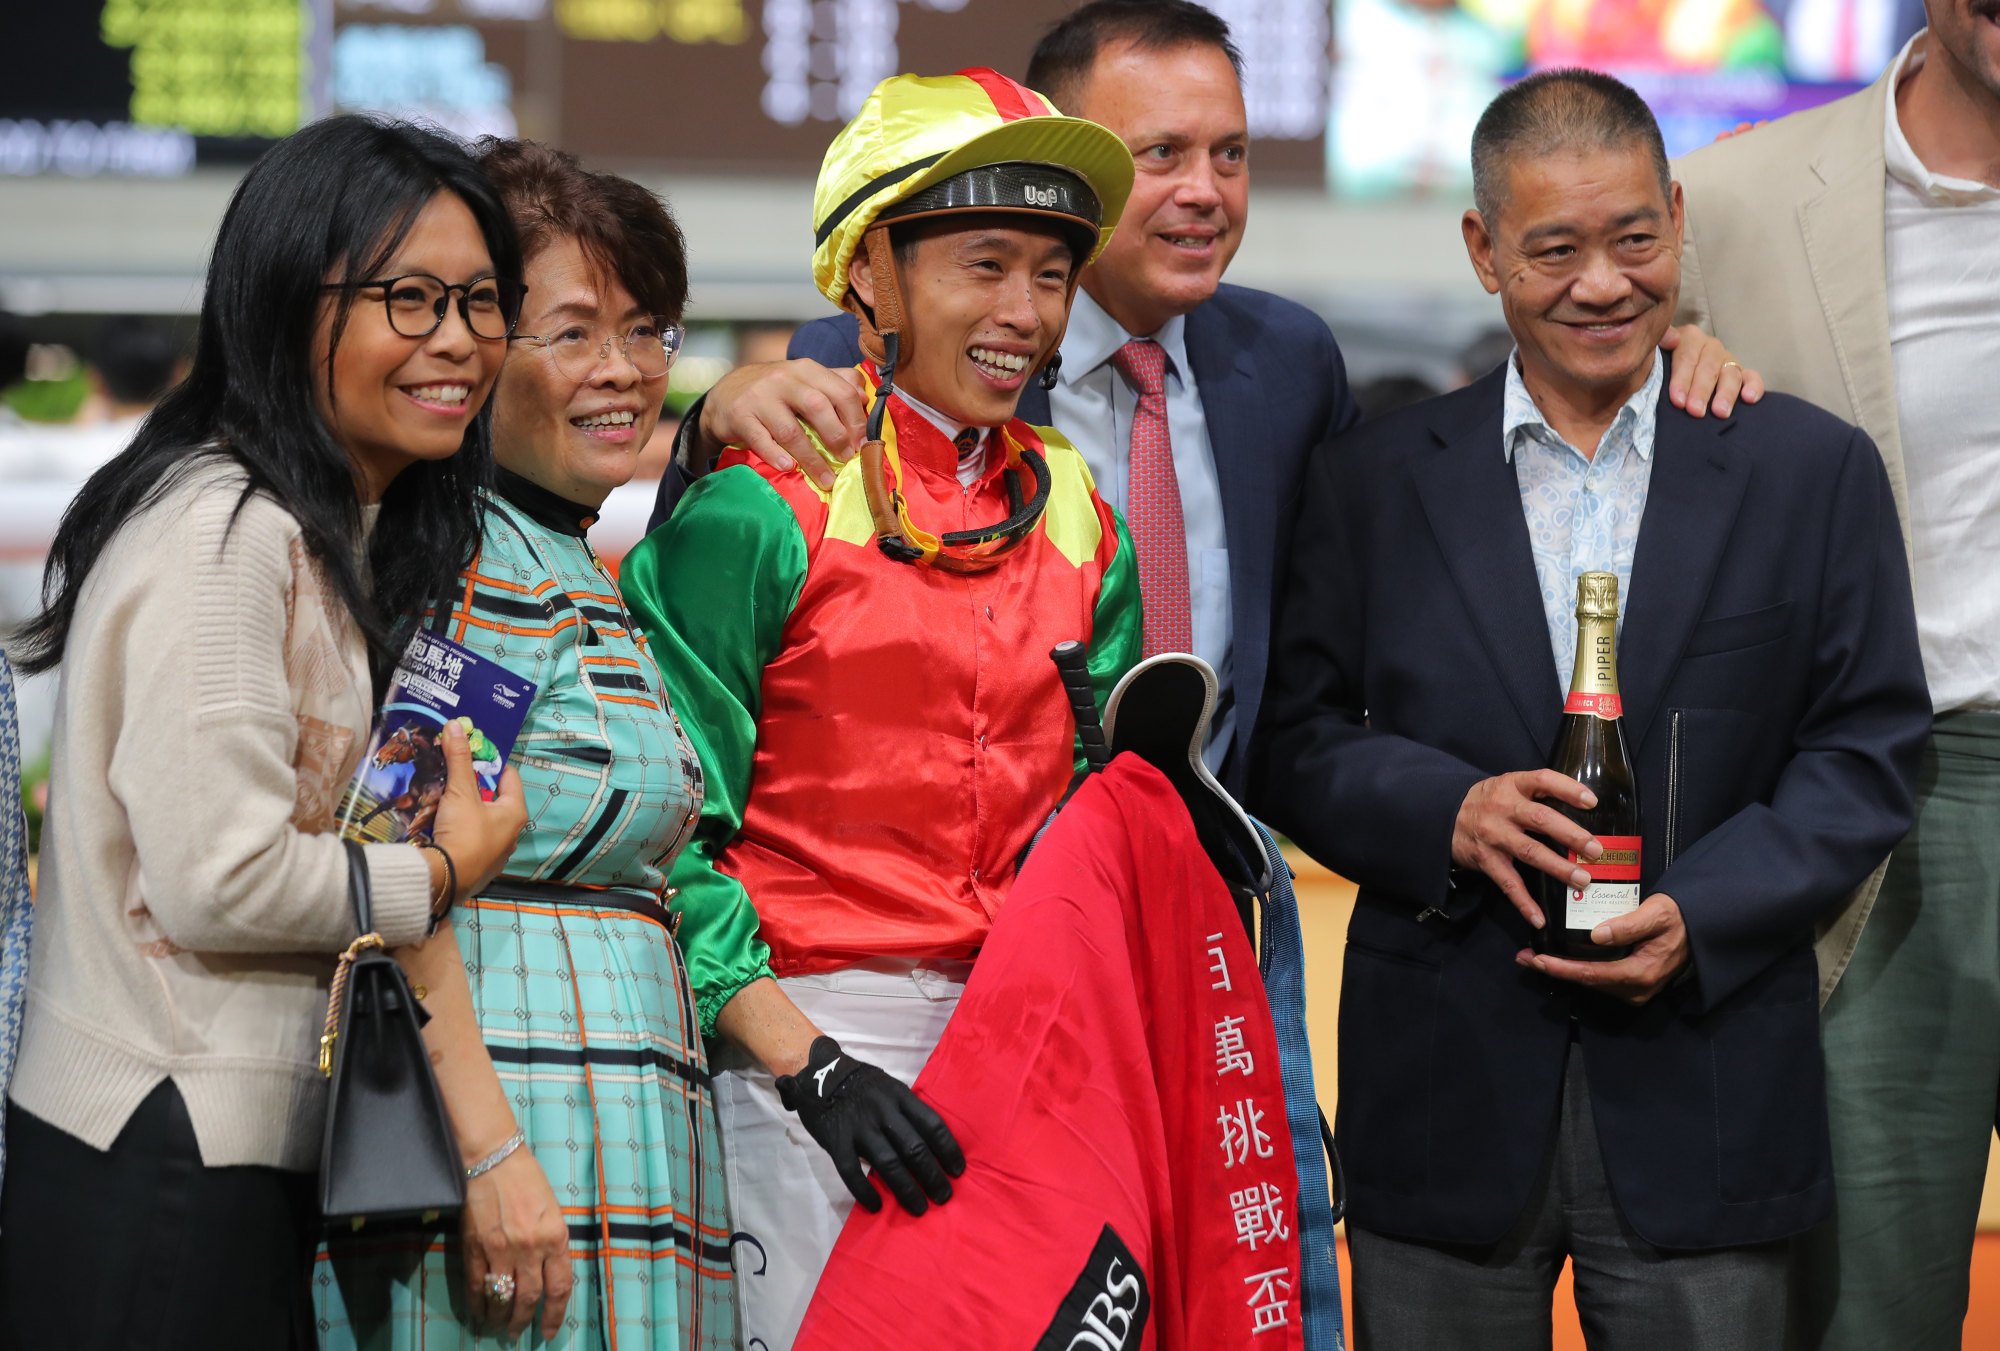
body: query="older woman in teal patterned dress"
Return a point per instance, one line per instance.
(578, 987)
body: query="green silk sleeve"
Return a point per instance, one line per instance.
(712, 588)
(1116, 625)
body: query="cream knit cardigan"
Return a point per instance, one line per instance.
(215, 699)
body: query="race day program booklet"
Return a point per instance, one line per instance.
(395, 792)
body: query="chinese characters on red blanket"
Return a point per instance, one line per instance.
(1112, 1075)
(1250, 1158)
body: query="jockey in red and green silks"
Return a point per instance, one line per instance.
(880, 740)
(865, 670)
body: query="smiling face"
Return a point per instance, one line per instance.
(987, 298)
(1180, 111)
(577, 438)
(390, 400)
(1586, 258)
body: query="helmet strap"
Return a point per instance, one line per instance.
(889, 315)
(882, 342)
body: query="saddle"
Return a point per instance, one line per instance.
(1160, 712)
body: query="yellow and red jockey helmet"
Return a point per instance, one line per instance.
(974, 141)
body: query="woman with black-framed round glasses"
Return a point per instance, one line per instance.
(415, 303)
(602, 1218)
(228, 595)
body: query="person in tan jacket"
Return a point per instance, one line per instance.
(1853, 253)
(226, 597)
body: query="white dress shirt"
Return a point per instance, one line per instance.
(1943, 238)
(1093, 406)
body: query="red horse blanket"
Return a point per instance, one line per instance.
(1112, 1074)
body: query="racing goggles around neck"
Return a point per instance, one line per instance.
(901, 538)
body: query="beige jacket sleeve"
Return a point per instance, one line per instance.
(1693, 307)
(1785, 262)
(191, 661)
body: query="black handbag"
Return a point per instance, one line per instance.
(389, 1151)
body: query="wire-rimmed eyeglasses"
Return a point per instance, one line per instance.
(490, 306)
(650, 344)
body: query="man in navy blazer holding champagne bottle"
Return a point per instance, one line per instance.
(1658, 1119)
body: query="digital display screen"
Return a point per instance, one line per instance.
(148, 86)
(1413, 75)
(1374, 98)
(158, 86)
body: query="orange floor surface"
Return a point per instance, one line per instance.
(1982, 1319)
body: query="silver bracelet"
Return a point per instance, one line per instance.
(497, 1157)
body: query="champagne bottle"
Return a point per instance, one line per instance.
(1591, 749)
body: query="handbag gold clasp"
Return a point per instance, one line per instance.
(337, 995)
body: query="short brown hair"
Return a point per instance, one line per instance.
(620, 225)
(1068, 52)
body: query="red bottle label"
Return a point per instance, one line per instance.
(1614, 884)
(1619, 862)
(1602, 705)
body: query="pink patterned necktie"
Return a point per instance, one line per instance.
(1153, 503)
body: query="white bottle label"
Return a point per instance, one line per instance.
(1592, 905)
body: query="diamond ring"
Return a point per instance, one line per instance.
(499, 1287)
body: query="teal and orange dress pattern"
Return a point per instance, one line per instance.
(581, 991)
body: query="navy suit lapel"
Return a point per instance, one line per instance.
(1473, 503)
(1034, 406)
(1239, 434)
(1692, 501)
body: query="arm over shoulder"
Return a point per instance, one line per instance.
(1693, 307)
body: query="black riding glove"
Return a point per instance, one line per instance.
(858, 1113)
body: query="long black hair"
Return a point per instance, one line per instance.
(341, 195)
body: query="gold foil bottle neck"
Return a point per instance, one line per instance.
(1597, 595)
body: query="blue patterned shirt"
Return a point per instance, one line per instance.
(1583, 512)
